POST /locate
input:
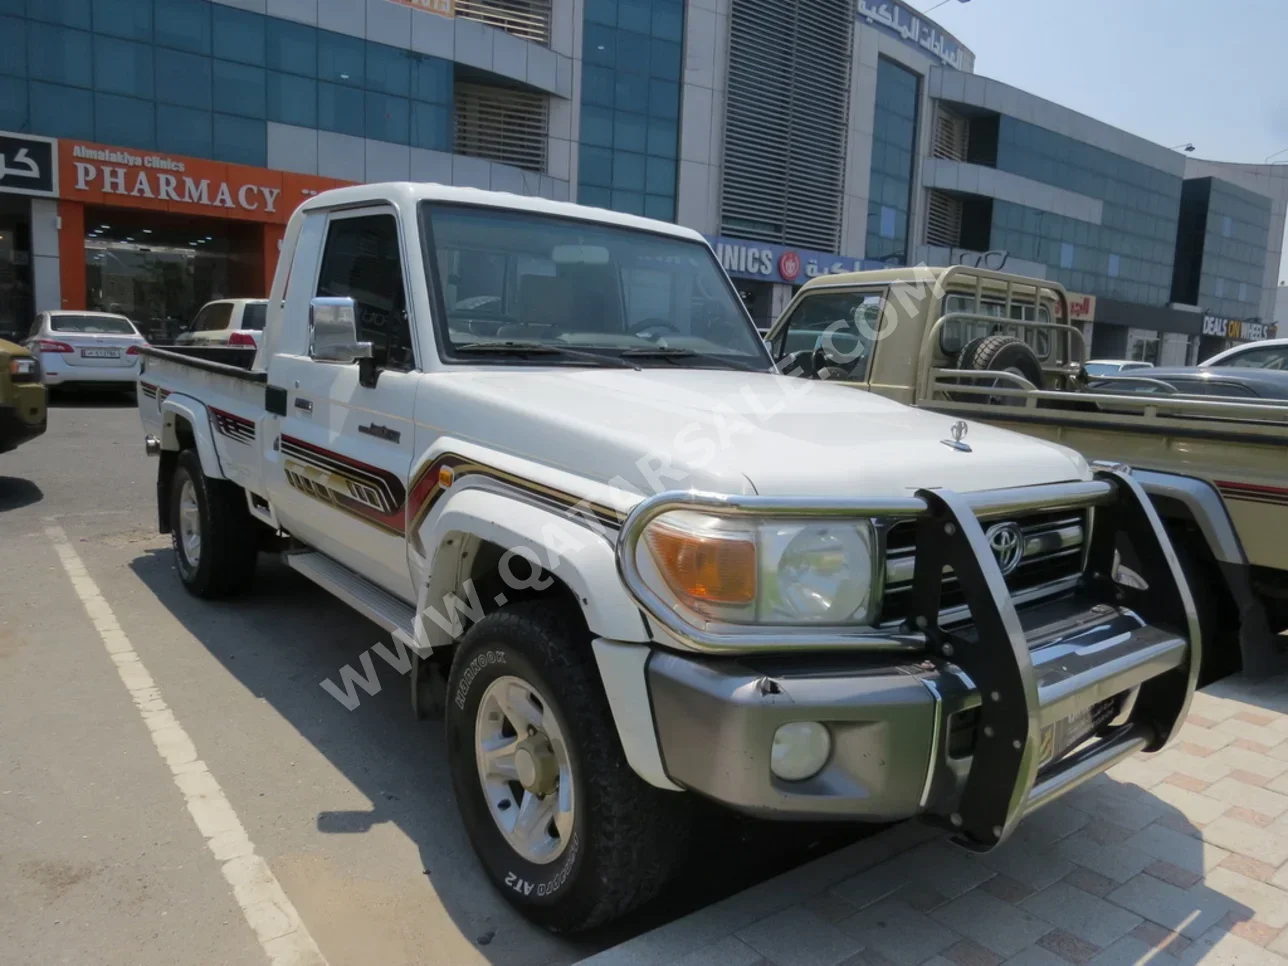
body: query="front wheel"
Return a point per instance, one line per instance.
(564, 828)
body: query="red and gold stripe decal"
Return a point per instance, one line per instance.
(1253, 492)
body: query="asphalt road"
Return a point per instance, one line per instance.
(101, 856)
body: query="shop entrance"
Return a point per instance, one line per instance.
(159, 269)
(16, 308)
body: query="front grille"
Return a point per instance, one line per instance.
(1051, 563)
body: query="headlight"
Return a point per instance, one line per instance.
(744, 571)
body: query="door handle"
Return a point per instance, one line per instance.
(304, 404)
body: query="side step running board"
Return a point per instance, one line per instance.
(375, 603)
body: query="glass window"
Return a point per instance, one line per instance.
(1273, 357)
(184, 24)
(340, 109)
(123, 67)
(388, 69)
(125, 121)
(240, 140)
(124, 18)
(660, 176)
(387, 117)
(69, 13)
(630, 132)
(563, 282)
(239, 89)
(596, 166)
(630, 202)
(835, 331)
(362, 261)
(183, 130)
(13, 104)
(634, 15)
(628, 171)
(663, 138)
(663, 98)
(431, 126)
(237, 34)
(631, 92)
(596, 126)
(13, 46)
(668, 21)
(1066, 255)
(59, 55)
(431, 79)
(664, 60)
(341, 59)
(66, 112)
(597, 85)
(600, 46)
(214, 317)
(183, 78)
(594, 197)
(661, 207)
(84, 324)
(602, 11)
(292, 99)
(291, 47)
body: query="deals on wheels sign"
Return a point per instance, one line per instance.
(102, 174)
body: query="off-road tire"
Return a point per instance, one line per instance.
(1001, 352)
(229, 535)
(627, 837)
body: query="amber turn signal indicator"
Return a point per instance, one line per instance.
(705, 567)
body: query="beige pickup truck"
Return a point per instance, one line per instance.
(981, 345)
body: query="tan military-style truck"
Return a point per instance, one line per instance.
(980, 345)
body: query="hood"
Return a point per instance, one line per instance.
(12, 349)
(736, 432)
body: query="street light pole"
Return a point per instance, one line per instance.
(1185, 146)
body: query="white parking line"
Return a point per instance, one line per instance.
(263, 902)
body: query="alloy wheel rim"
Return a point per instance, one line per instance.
(524, 769)
(190, 523)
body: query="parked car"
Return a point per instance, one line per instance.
(226, 322)
(845, 612)
(1269, 354)
(22, 397)
(1113, 367)
(975, 344)
(1233, 381)
(86, 349)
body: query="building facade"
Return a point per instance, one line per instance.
(174, 138)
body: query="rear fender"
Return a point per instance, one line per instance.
(186, 422)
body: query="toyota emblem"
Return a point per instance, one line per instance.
(1006, 540)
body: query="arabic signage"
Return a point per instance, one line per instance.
(28, 165)
(1243, 330)
(444, 8)
(101, 174)
(778, 263)
(902, 21)
(1082, 308)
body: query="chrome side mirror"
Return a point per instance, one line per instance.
(333, 331)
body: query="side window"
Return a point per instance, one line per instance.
(215, 318)
(362, 261)
(835, 330)
(35, 327)
(1272, 358)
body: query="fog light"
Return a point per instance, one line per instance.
(800, 750)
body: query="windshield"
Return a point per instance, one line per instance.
(1103, 368)
(530, 279)
(96, 324)
(253, 315)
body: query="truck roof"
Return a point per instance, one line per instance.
(411, 192)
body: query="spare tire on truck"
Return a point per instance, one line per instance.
(1003, 353)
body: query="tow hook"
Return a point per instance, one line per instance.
(152, 446)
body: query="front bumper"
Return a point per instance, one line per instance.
(904, 733)
(25, 419)
(975, 724)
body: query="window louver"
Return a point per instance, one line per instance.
(785, 121)
(944, 220)
(529, 19)
(501, 124)
(951, 132)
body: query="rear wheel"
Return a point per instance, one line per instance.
(569, 834)
(215, 539)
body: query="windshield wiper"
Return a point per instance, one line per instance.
(544, 349)
(677, 353)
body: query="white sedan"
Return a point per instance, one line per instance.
(86, 349)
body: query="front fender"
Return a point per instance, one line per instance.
(575, 554)
(178, 407)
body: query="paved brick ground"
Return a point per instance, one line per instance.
(1174, 859)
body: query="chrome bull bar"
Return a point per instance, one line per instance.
(1020, 691)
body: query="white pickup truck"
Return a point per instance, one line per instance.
(544, 447)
